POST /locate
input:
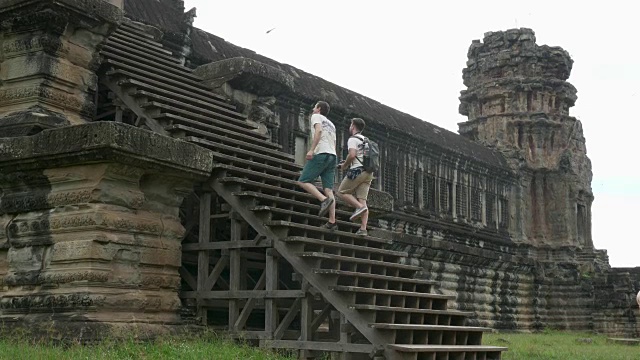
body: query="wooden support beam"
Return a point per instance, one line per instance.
(221, 245)
(321, 317)
(133, 105)
(235, 269)
(288, 318)
(271, 307)
(188, 278)
(243, 294)
(215, 273)
(250, 305)
(203, 256)
(317, 346)
(306, 319)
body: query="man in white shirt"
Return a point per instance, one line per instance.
(321, 162)
(357, 181)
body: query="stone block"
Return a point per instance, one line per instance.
(91, 227)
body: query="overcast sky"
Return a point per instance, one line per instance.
(409, 55)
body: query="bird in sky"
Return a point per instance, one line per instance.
(268, 31)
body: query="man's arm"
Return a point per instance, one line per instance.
(347, 162)
(316, 140)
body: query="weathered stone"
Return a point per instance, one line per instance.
(89, 213)
(518, 102)
(49, 56)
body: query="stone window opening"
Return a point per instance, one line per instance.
(462, 203)
(429, 192)
(409, 186)
(390, 178)
(476, 199)
(446, 196)
(503, 221)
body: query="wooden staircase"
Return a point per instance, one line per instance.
(256, 261)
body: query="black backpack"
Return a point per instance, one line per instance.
(370, 154)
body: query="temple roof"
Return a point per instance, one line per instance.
(208, 47)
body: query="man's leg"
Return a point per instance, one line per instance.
(313, 190)
(312, 169)
(365, 215)
(332, 208)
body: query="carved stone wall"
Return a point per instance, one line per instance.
(48, 57)
(518, 102)
(90, 232)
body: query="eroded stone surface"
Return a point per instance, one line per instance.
(89, 223)
(49, 57)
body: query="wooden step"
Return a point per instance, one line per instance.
(187, 131)
(133, 28)
(252, 165)
(339, 245)
(158, 77)
(356, 260)
(366, 307)
(210, 103)
(445, 348)
(375, 277)
(309, 218)
(292, 204)
(230, 142)
(137, 33)
(185, 125)
(257, 176)
(429, 327)
(356, 289)
(255, 156)
(161, 75)
(210, 110)
(316, 232)
(131, 58)
(250, 185)
(170, 108)
(216, 126)
(124, 75)
(146, 43)
(133, 49)
(124, 45)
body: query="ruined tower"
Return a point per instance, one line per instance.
(517, 101)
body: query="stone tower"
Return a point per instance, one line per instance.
(517, 101)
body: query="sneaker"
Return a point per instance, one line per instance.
(324, 206)
(330, 226)
(362, 232)
(358, 213)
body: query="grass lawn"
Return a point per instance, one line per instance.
(548, 345)
(172, 348)
(552, 345)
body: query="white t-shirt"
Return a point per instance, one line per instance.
(327, 142)
(356, 142)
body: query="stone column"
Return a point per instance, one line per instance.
(48, 59)
(518, 102)
(90, 235)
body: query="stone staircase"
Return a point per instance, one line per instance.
(264, 268)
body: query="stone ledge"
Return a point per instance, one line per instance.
(103, 141)
(232, 70)
(96, 10)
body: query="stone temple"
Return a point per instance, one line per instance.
(147, 184)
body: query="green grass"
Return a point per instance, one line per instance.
(552, 345)
(549, 345)
(168, 348)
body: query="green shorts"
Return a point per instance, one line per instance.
(323, 165)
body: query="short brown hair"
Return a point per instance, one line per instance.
(324, 107)
(358, 123)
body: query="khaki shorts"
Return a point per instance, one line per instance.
(358, 186)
